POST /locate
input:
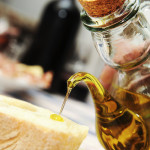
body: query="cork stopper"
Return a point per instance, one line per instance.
(101, 8)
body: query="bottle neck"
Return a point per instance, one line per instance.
(124, 13)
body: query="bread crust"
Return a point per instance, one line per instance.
(24, 126)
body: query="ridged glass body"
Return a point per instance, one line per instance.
(123, 41)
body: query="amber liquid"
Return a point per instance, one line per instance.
(64, 102)
(138, 103)
(56, 117)
(117, 127)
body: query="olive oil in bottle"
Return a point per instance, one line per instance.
(138, 103)
(117, 127)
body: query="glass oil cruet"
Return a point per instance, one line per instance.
(117, 127)
(121, 33)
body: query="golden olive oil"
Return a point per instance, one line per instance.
(117, 126)
(138, 103)
(56, 117)
(64, 102)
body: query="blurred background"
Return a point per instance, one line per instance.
(50, 34)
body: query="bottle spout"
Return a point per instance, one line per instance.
(117, 127)
(103, 101)
(95, 87)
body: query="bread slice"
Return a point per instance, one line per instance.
(24, 126)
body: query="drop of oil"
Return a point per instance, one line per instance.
(56, 117)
